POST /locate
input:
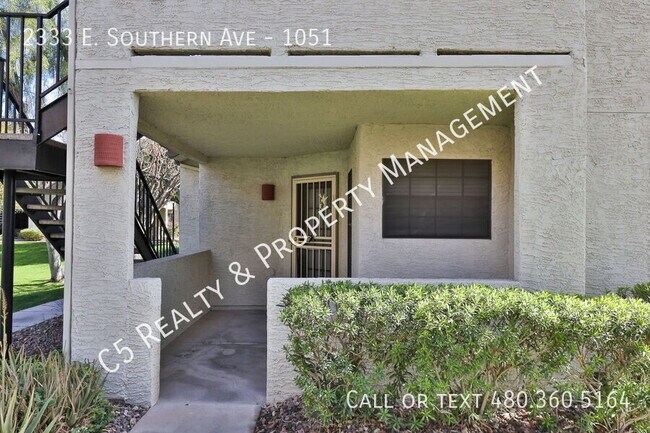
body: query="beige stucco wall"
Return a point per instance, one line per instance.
(382, 25)
(618, 131)
(550, 186)
(235, 219)
(142, 377)
(102, 248)
(189, 210)
(618, 200)
(432, 258)
(181, 277)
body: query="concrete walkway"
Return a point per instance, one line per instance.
(34, 315)
(213, 377)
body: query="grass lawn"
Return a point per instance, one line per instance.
(32, 284)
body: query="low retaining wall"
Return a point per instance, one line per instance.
(280, 383)
(142, 378)
(181, 277)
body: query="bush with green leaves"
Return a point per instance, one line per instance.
(31, 235)
(639, 291)
(470, 340)
(47, 394)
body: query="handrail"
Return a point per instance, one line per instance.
(150, 220)
(21, 94)
(53, 87)
(14, 101)
(38, 79)
(58, 8)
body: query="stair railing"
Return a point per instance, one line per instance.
(50, 193)
(150, 221)
(51, 199)
(34, 66)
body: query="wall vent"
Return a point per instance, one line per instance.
(171, 52)
(462, 52)
(351, 52)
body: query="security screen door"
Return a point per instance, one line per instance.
(316, 258)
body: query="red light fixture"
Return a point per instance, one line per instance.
(268, 191)
(109, 150)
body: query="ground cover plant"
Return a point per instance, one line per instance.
(45, 338)
(639, 291)
(504, 350)
(47, 394)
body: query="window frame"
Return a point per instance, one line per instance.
(410, 196)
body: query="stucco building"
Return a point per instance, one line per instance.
(553, 193)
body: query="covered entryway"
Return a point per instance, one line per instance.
(301, 143)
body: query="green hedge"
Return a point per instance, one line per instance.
(31, 235)
(412, 339)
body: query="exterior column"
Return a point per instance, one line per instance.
(103, 230)
(8, 225)
(189, 210)
(549, 195)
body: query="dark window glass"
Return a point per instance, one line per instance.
(443, 198)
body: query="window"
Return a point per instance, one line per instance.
(443, 198)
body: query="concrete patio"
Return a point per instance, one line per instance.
(213, 377)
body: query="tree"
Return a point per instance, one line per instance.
(54, 258)
(162, 173)
(33, 6)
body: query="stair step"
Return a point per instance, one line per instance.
(57, 235)
(11, 136)
(52, 222)
(44, 207)
(40, 191)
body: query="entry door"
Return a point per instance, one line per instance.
(317, 257)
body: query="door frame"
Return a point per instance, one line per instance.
(349, 226)
(334, 177)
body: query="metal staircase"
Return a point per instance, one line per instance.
(44, 203)
(152, 238)
(33, 92)
(33, 118)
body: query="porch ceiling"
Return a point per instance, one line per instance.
(232, 124)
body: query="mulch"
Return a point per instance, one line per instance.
(46, 337)
(124, 417)
(289, 417)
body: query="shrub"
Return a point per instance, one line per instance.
(470, 340)
(639, 291)
(31, 235)
(47, 394)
